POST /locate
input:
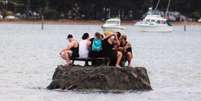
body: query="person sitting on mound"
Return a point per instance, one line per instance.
(84, 46)
(96, 46)
(71, 51)
(126, 49)
(109, 43)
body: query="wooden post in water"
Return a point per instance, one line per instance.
(185, 25)
(42, 22)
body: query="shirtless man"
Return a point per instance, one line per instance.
(71, 50)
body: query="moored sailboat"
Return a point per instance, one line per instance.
(154, 22)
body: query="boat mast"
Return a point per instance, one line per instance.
(157, 5)
(167, 10)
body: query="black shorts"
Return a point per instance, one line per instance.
(95, 54)
(113, 57)
(129, 50)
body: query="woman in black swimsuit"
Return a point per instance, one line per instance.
(126, 49)
(71, 51)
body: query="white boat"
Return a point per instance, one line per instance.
(10, 17)
(1, 17)
(113, 25)
(199, 20)
(154, 22)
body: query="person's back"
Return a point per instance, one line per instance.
(96, 46)
(83, 49)
(111, 43)
(71, 51)
(84, 45)
(108, 50)
(75, 49)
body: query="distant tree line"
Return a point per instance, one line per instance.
(97, 9)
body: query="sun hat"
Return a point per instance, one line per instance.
(108, 33)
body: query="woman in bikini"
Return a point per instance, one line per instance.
(126, 49)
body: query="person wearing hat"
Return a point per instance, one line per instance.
(108, 34)
(71, 51)
(110, 41)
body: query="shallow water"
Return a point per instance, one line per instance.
(29, 57)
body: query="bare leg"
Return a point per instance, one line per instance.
(68, 59)
(119, 57)
(129, 57)
(62, 55)
(66, 56)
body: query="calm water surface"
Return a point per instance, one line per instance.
(29, 56)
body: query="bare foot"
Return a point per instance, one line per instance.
(66, 65)
(118, 66)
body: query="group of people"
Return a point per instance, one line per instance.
(113, 46)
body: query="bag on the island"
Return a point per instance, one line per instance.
(97, 45)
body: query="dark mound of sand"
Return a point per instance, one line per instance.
(101, 78)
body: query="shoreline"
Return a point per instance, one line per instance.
(83, 22)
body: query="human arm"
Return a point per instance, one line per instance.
(107, 37)
(117, 42)
(69, 46)
(88, 44)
